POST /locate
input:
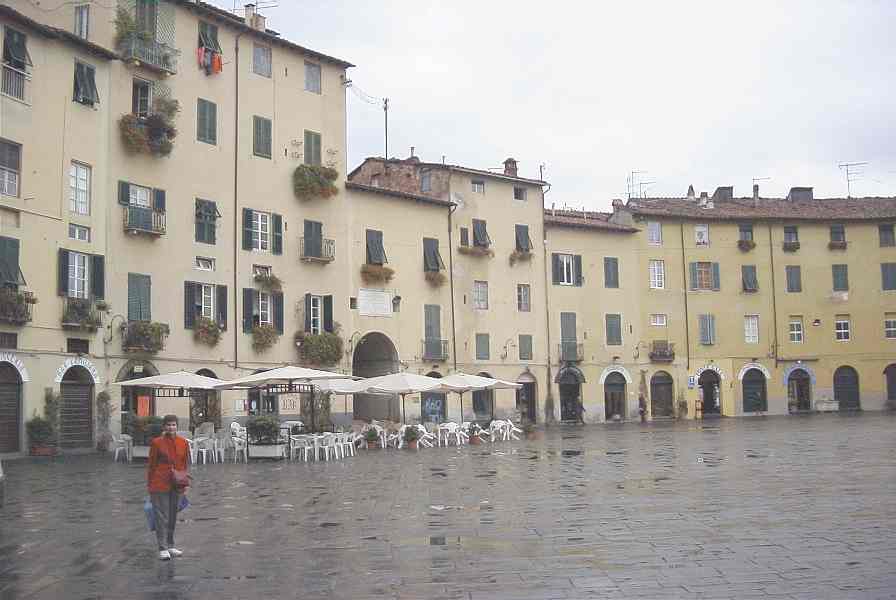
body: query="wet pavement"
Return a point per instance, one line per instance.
(749, 508)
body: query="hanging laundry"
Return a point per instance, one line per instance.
(200, 56)
(218, 63)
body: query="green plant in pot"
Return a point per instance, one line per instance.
(268, 282)
(372, 437)
(411, 435)
(263, 337)
(323, 349)
(314, 181)
(207, 331)
(103, 420)
(41, 436)
(263, 431)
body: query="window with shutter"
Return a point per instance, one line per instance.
(432, 260)
(748, 277)
(85, 91)
(791, 234)
(840, 275)
(141, 97)
(707, 329)
(838, 233)
(206, 121)
(523, 243)
(887, 235)
(525, 346)
(82, 21)
(482, 346)
(376, 253)
(261, 137)
(480, 234)
(611, 272)
(704, 276)
(745, 232)
(312, 153)
(794, 279)
(464, 236)
(614, 330)
(261, 60)
(312, 77)
(208, 37)
(139, 297)
(888, 276)
(565, 269)
(523, 301)
(654, 233)
(10, 167)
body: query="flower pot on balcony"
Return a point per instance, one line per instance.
(746, 245)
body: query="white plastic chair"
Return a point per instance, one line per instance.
(240, 448)
(121, 443)
(220, 446)
(426, 438)
(348, 443)
(328, 445)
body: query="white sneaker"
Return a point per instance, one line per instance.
(174, 552)
(164, 555)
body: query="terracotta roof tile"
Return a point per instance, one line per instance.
(397, 193)
(819, 209)
(584, 219)
(54, 32)
(404, 161)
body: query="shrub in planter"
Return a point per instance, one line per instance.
(14, 305)
(207, 331)
(746, 245)
(436, 278)
(263, 431)
(411, 435)
(476, 250)
(263, 337)
(268, 282)
(323, 349)
(145, 336)
(314, 181)
(41, 436)
(519, 255)
(79, 311)
(371, 272)
(154, 133)
(103, 306)
(372, 438)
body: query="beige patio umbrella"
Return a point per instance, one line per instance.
(404, 384)
(464, 382)
(289, 374)
(178, 380)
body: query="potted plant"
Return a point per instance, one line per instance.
(103, 419)
(473, 431)
(411, 435)
(41, 436)
(476, 251)
(263, 337)
(531, 431)
(264, 438)
(746, 245)
(268, 282)
(322, 349)
(372, 437)
(519, 255)
(376, 273)
(314, 181)
(142, 430)
(207, 331)
(435, 278)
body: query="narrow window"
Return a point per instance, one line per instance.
(611, 272)
(791, 234)
(745, 232)
(525, 347)
(888, 276)
(841, 328)
(206, 121)
(890, 326)
(312, 154)
(614, 330)
(840, 275)
(749, 280)
(478, 186)
(887, 235)
(79, 188)
(261, 137)
(482, 346)
(10, 167)
(261, 231)
(82, 21)
(85, 91)
(262, 308)
(426, 181)
(480, 295)
(701, 235)
(77, 275)
(707, 329)
(204, 264)
(657, 320)
(522, 298)
(78, 232)
(317, 308)
(795, 327)
(751, 329)
(657, 274)
(654, 233)
(838, 233)
(208, 301)
(794, 279)
(566, 270)
(519, 193)
(312, 77)
(141, 98)
(261, 60)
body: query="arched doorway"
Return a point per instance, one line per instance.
(755, 396)
(570, 380)
(10, 408)
(890, 374)
(614, 397)
(433, 405)
(136, 401)
(484, 403)
(662, 390)
(205, 405)
(526, 399)
(799, 391)
(710, 389)
(375, 355)
(846, 388)
(76, 409)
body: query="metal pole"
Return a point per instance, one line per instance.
(386, 116)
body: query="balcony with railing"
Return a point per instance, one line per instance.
(138, 46)
(143, 219)
(143, 336)
(662, 351)
(435, 350)
(571, 351)
(15, 306)
(16, 83)
(319, 250)
(81, 313)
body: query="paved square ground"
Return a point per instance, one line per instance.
(798, 507)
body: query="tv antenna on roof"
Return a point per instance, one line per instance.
(854, 172)
(631, 182)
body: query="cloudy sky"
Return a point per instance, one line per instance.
(714, 93)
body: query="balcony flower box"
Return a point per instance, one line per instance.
(519, 256)
(268, 282)
(15, 306)
(790, 246)
(322, 349)
(153, 134)
(81, 313)
(376, 273)
(263, 337)
(476, 250)
(838, 245)
(144, 336)
(746, 245)
(314, 181)
(207, 331)
(435, 278)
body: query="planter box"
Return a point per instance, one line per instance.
(271, 451)
(43, 451)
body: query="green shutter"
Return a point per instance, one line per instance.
(692, 276)
(611, 272)
(62, 273)
(482, 346)
(98, 277)
(577, 270)
(840, 277)
(247, 229)
(307, 313)
(221, 306)
(614, 330)
(276, 234)
(888, 276)
(525, 343)
(328, 313)
(189, 304)
(716, 277)
(277, 301)
(124, 193)
(248, 308)
(555, 268)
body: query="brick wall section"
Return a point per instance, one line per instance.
(403, 176)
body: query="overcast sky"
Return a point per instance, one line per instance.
(711, 94)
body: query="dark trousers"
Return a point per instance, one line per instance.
(165, 507)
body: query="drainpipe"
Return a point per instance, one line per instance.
(451, 210)
(549, 395)
(771, 258)
(684, 287)
(235, 326)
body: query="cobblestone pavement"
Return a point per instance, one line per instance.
(750, 508)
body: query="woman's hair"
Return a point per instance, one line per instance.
(169, 419)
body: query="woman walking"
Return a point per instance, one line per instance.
(167, 479)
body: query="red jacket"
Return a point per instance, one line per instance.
(162, 451)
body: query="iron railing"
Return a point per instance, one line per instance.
(81, 313)
(15, 306)
(143, 336)
(571, 351)
(435, 349)
(662, 351)
(151, 52)
(325, 251)
(15, 83)
(142, 219)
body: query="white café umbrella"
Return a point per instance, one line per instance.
(464, 382)
(404, 384)
(342, 387)
(177, 380)
(280, 375)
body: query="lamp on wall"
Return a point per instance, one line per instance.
(396, 303)
(816, 322)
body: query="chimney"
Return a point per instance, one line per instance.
(691, 194)
(800, 194)
(723, 193)
(621, 215)
(510, 167)
(704, 198)
(755, 191)
(254, 19)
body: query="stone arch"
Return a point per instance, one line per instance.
(375, 354)
(16, 363)
(799, 366)
(753, 365)
(615, 369)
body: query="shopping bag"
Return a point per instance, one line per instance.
(184, 503)
(150, 514)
